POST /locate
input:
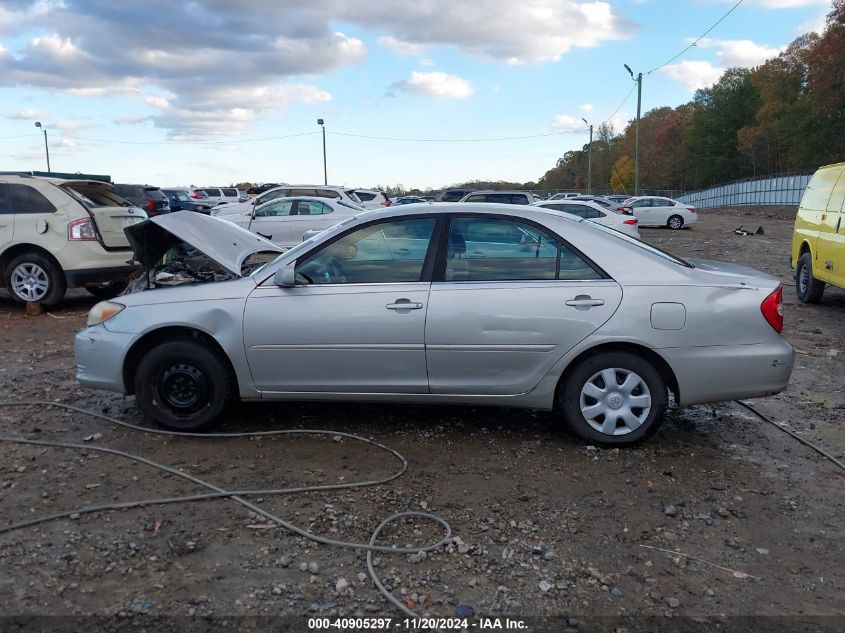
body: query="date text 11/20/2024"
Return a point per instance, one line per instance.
(417, 624)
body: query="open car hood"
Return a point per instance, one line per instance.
(223, 242)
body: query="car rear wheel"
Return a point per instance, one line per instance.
(614, 399)
(675, 222)
(183, 385)
(808, 288)
(107, 291)
(33, 277)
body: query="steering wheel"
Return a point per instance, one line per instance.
(336, 270)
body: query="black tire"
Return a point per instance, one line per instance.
(47, 273)
(581, 375)
(183, 385)
(108, 291)
(808, 288)
(675, 222)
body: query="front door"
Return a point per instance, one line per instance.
(830, 252)
(272, 221)
(512, 300)
(355, 321)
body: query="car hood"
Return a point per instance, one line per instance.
(223, 242)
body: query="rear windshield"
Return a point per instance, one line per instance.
(95, 196)
(130, 191)
(647, 247)
(353, 196)
(156, 194)
(365, 196)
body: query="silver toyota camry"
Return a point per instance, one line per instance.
(454, 303)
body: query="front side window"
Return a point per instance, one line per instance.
(386, 252)
(26, 199)
(496, 249)
(274, 209)
(312, 207)
(479, 197)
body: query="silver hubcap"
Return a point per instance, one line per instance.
(675, 223)
(30, 282)
(615, 401)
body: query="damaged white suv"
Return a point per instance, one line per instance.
(57, 234)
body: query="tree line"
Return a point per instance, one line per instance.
(787, 115)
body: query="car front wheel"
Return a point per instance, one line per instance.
(33, 277)
(808, 288)
(183, 385)
(675, 222)
(614, 399)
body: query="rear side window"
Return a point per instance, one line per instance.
(212, 192)
(496, 249)
(582, 210)
(328, 193)
(312, 207)
(454, 196)
(352, 196)
(230, 193)
(25, 199)
(365, 196)
(304, 192)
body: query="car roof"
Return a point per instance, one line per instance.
(467, 208)
(502, 191)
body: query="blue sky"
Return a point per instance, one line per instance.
(175, 93)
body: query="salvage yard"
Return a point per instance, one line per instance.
(719, 514)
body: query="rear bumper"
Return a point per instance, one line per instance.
(720, 373)
(76, 278)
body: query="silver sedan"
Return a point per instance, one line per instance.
(450, 303)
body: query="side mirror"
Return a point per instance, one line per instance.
(286, 276)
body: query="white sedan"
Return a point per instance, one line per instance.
(658, 211)
(595, 213)
(283, 221)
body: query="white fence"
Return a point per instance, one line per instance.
(779, 190)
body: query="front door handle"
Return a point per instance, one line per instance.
(584, 302)
(404, 304)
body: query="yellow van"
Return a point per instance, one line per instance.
(818, 240)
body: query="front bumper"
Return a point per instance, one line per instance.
(99, 356)
(730, 372)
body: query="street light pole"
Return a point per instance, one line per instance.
(589, 159)
(639, 80)
(321, 123)
(46, 146)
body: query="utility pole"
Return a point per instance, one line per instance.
(321, 123)
(639, 80)
(46, 146)
(589, 159)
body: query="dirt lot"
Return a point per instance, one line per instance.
(547, 526)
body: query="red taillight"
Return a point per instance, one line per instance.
(632, 221)
(625, 210)
(81, 229)
(691, 209)
(151, 206)
(386, 203)
(772, 309)
(195, 195)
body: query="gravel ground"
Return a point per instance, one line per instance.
(545, 527)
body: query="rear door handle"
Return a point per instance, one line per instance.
(584, 302)
(404, 304)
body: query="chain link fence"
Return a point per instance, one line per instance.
(777, 190)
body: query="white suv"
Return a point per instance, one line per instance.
(57, 234)
(372, 199)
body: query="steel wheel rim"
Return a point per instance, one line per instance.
(30, 282)
(183, 390)
(615, 401)
(803, 279)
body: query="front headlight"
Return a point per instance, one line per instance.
(103, 311)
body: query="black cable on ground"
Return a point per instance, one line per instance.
(765, 418)
(237, 496)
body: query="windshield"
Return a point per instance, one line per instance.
(648, 247)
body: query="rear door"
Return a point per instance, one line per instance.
(310, 215)
(112, 213)
(509, 299)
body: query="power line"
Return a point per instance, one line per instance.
(700, 37)
(624, 101)
(209, 142)
(456, 140)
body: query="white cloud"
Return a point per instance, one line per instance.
(694, 74)
(27, 114)
(436, 84)
(586, 107)
(789, 4)
(401, 48)
(130, 120)
(566, 123)
(741, 52)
